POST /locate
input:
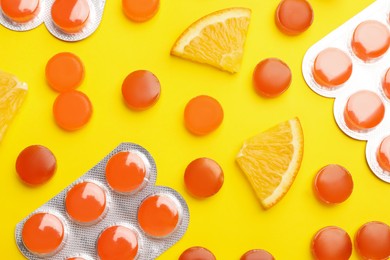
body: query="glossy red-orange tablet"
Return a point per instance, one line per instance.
(386, 84)
(257, 254)
(117, 242)
(197, 253)
(331, 243)
(371, 39)
(202, 115)
(332, 68)
(43, 234)
(72, 110)
(203, 177)
(293, 17)
(126, 172)
(86, 202)
(364, 110)
(372, 241)
(140, 10)
(64, 72)
(70, 16)
(383, 154)
(20, 11)
(158, 215)
(333, 184)
(35, 165)
(271, 77)
(141, 89)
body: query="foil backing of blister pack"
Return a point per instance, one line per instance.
(366, 75)
(122, 210)
(44, 16)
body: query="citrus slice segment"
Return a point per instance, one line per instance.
(216, 39)
(12, 95)
(271, 160)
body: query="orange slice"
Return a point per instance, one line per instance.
(271, 160)
(12, 94)
(216, 39)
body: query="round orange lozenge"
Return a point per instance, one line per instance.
(203, 177)
(333, 184)
(257, 254)
(126, 172)
(293, 17)
(64, 72)
(36, 165)
(85, 202)
(370, 40)
(271, 77)
(332, 68)
(386, 84)
(383, 154)
(196, 253)
(20, 11)
(141, 89)
(331, 243)
(158, 215)
(364, 110)
(72, 110)
(117, 242)
(372, 241)
(43, 234)
(70, 16)
(202, 115)
(140, 10)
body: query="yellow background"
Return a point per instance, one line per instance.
(232, 221)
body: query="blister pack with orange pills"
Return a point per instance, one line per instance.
(68, 20)
(352, 65)
(114, 211)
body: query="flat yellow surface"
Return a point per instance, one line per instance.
(232, 221)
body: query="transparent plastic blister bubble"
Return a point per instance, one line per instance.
(351, 64)
(86, 218)
(68, 20)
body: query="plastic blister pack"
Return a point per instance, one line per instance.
(351, 64)
(116, 200)
(68, 20)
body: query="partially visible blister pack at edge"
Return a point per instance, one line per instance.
(367, 74)
(80, 240)
(44, 15)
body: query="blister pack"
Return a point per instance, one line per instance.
(68, 20)
(352, 65)
(114, 211)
